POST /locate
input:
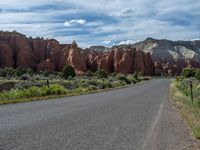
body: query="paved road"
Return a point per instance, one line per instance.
(134, 118)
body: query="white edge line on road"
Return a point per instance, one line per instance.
(157, 118)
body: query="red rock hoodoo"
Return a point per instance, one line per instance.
(16, 50)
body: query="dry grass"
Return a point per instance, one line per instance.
(190, 112)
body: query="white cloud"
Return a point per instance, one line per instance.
(106, 42)
(74, 21)
(113, 20)
(37, 26)
(127, 12)
(127, 42)
(196, 39)
(67, 24)
(79, 21)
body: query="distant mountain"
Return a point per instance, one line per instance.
(182, 53)
(98, 48)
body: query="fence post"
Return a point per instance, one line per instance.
(48, 83)
(191, 90)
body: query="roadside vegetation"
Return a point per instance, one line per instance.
(182, 98)
(20, 85)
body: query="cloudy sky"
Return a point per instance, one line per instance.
(102, 22)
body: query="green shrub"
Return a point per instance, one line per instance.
(135, 75)
(101, 74)
(32, 92)
(118, 83)
(20, 71)
(7, 72)
(25, 77)
(89, 74)
(187, 73)
(184, 87)
(197, 74)
(141, 73)
(114, 74)
(107, 85)
(198, 102)
(134, 81)
(79, 90)
(55, 90)
(93, 82)
(122, 77)
(179, 78)
(46, 73)
(85, 84)
(92, 88)
(68, 71)
(11, 72)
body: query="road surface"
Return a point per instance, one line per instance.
(135, 118)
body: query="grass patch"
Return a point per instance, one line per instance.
(189, 111)
(17, 95)
(32, 89)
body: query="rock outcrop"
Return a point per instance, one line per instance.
(16, 50)
(173, 55)
(121, 61)
(46, 65)
(76, 59)
(6, 55)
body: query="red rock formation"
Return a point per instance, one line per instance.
(42, 54)
(76, 59)
(123, 62)
(46, 65)
(39, 47)
(105, 61)
(91, 60)
(167, 69)
(149, 64)
(139, 65)
(6, 55)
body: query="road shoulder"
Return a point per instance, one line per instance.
(171, 132)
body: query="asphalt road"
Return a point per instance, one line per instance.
(135, 118)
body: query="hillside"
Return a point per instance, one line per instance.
(171, 51)
(171, 54)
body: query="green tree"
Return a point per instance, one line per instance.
(46, 73)
(187, 73)
(7, 72)
(89, 74)
(124, 78)
(197, 74)
(101, 74)
(3, 73)
(68, 71)
(135, 75)
(20, 71)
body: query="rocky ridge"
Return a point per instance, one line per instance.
(170, 57)
(16, 50)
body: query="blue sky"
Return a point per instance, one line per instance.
(102, 22)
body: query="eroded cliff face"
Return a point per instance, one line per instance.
(121, 61)
(6, 55)
(170, 56)
(38, 54)
(76, 59)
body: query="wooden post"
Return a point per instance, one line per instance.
(191, 91)
(48, 83)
